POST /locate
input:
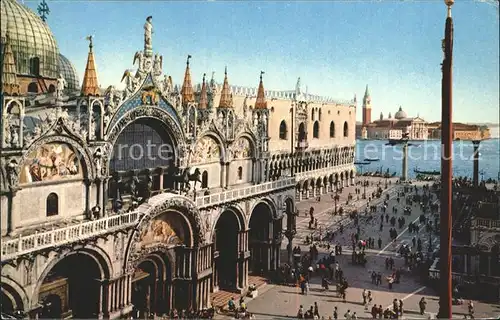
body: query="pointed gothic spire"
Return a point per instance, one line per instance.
(226, 98)
(261, 102)
(298, 89)
(187, 88)
(90, 84)
(367, 93)
(204, 95)
(10, 84)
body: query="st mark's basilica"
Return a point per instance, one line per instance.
(94, 226)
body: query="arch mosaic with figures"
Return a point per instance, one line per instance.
(206, 150)
(52, 161)
(242, 149)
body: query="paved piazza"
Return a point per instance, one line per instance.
(278, 301)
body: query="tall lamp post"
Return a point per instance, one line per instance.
(445, 297)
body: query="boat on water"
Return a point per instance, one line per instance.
(429, 173)
(371, 159)
(361, 163)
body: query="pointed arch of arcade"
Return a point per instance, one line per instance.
(264, 237)
(14, 296)
(73, 284)
(228, 237)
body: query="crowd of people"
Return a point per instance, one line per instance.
(329, 268)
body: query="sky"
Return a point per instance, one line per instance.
(336, 47)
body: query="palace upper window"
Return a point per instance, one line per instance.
(52, 205)
(283, 130)
(346, 129)
(316, 130)
(332, 129)
(204, 180)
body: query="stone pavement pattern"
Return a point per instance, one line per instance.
(283, 301)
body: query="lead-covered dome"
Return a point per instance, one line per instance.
(68, 71)
(33, 44)
(400, 114)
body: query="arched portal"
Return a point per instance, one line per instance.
(227, 230)
(146, 143)
(263, 239)
(152, 286)
(11, 300)
(8, 305)
(72, 288)
(159, 254)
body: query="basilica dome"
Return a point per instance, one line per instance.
(68, 71)
(33, 44)
(400, 114)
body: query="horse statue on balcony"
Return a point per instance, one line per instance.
(187, 176)
(180, 179)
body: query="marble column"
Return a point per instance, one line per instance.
(13, 216)
(475, 178)
(404, 173)
(21, 130)
(228, 174)
(104, 197)
(101, 301)
(88, 190)
(128, 289)
(222, 175)
(107, 289)
(255, 178)
(270, 253)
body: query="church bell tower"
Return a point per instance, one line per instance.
(367, 108)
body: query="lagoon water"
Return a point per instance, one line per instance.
(426, 155)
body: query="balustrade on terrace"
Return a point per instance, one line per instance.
(24, 244)
(487, 223)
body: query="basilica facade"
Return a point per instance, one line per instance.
(155, 196)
